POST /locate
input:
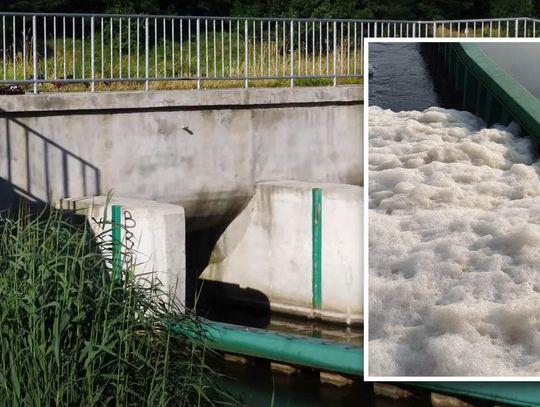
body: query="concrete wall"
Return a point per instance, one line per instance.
(157, 237)
(268, 248)
(204, 150)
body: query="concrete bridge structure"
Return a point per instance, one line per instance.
(202, 149)
(207, 149)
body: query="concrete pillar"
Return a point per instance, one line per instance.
(269, 248)
(158, 236)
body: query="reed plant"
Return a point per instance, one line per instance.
(70, 335)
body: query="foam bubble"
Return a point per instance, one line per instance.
(454, 246)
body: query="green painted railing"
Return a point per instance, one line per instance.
(294, 349)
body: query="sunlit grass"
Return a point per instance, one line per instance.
(227, 60)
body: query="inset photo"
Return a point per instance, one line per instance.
(454, 211)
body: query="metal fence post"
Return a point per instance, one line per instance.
(292, 52)
(92, 56)
(434, 30)
(34, 53)
(517, 27)
(335, 53)
(146, 56)
(246, 53)
(198, 45)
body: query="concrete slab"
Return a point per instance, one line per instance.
(268, 248)
(158, 236)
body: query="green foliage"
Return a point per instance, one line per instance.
(511, 8)
(426, 9)
(70, 336)
(43, 6)
(301, 8)
(382, 9)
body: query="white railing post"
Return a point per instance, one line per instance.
(291, 52)
(246, 53)
(146, 54)
(198, 44)
(92, 56)
(34, 53)
(335, 54)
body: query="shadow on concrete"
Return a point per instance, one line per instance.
(230, 303)
(12, 200)
(36, 170)
(215, 300)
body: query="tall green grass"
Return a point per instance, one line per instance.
(71, 336)
(264, 58)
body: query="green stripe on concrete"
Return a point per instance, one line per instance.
(117, 242)
(316, 237)
(521, 105)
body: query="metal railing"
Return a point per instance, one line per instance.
(48, 51)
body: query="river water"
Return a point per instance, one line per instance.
(401, 78)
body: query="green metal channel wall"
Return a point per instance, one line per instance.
(488, 90)
(491, 93)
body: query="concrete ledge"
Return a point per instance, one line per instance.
(268, 248)
(180, 99)
(158, 236)
(205, 159)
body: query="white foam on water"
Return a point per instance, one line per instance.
(454, 247)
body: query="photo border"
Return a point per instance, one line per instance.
(365, 52)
